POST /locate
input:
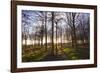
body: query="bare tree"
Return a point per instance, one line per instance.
(52, 19)
(25, 26)
(71, 21)
(83, 27)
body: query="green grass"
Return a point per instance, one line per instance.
(76, 54)
(34, 57)
(71, 53)
(38, 53)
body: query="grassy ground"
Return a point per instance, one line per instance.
(36, 53)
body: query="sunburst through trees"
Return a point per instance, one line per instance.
(53, 36)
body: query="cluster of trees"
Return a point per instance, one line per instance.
(51, 29)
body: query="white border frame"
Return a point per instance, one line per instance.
(53, 63)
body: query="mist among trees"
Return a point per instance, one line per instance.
(53, 36)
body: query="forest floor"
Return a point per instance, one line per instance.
(66, 53)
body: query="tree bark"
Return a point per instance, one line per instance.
(52, 33)
(45, 31)
(56, 40)
(74, 31)
(61, 38)
(42, 33)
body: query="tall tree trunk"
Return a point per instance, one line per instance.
(52, 33)
(72, 38)
(56, 39)
(74, 32)
(32, 42)
(42, 33)
(45, 31)
(38, 40)
(35, 43)
(75, 39)
(61, 38)
(25, 41)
